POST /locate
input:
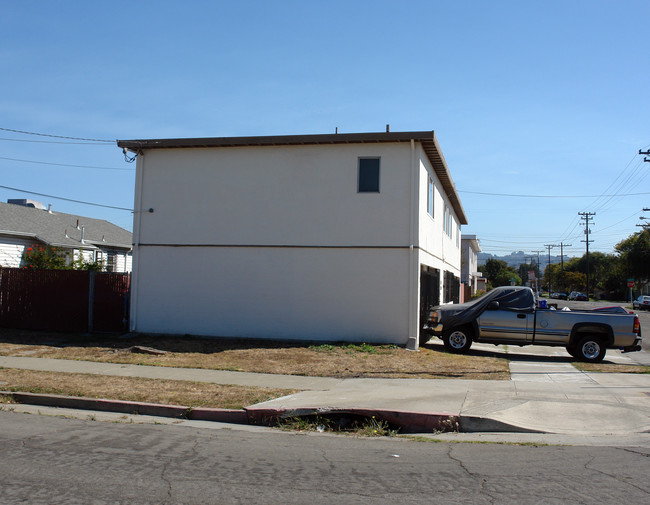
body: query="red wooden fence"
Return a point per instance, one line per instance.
(59, 300)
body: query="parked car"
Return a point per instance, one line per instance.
(559, 296)
(642, 303)
(578, 297)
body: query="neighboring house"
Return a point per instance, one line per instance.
(470, 276)
(341, 237)
(25, 223)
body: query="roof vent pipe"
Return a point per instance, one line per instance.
(49, 208)
(83, 234)
(387, 128)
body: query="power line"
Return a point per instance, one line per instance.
(57, 142)
(55, 136)
(548, 196)
(65, 164)
(66, 199)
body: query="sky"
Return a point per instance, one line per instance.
(543, 100)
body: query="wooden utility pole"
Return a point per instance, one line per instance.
(562, 246)
(549, 247)
(586, 216)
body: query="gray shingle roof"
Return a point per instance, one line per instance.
(50, 228)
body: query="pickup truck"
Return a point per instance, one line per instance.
(510, 316)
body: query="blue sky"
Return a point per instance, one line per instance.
(526, 98)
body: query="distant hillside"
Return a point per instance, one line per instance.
(514, 259)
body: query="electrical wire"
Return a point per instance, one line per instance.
(66, 199)
(55, 136)
(57, 142)
(547, 196)
(66, 165)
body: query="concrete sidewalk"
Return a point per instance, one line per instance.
(547, 397)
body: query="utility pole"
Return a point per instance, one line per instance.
(549, 247)
(647, 153)
(586, 216)
(537, 273)
(562, 246)
(645, 226)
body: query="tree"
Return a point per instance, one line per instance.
(498, 273)
(634, 253)
(523, 270)
(551, 277)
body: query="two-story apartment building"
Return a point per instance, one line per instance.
(470, 276)
(312, 237)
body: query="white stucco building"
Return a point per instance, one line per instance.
(312, 237)
(470, 275)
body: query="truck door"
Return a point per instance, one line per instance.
(513, 320)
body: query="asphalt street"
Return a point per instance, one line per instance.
(53, 460)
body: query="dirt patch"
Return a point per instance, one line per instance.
(341, 361)
(190, 394)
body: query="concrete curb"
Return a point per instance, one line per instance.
(407, 422)
(127, 407)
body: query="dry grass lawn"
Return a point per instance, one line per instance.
(342, 361)
(610, 367)
(172, 392)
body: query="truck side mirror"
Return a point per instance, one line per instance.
(493, 306)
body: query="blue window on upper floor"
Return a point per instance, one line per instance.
(368, 181)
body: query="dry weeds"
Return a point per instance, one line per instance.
(342, 361)
(172, 392)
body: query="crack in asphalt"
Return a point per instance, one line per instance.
(614, 477)
(167, 464)
(482, 490)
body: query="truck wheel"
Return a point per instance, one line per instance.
(591, 349)
(457, 340)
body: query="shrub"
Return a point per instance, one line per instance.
(44, 258)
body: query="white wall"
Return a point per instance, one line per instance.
(303, 195)
(320, 294)
(340, 266)
(438, 249)
(11, 251)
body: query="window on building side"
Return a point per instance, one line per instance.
(430, 194)
(446, 225)
(368, 175)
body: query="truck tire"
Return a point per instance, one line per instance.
(591, 349)
(457, 340)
